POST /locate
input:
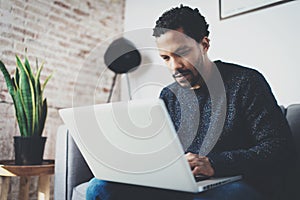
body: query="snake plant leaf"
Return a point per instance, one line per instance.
(7, 78)
(38, 102)
(20, 114)
(27, 94)
(26, 91)
(13, 80)
(39, 70)
(11, 86)
(17, 78)
(39, 96)
(28, 69)
(46, 81)
(43, 117)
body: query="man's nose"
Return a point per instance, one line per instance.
(176, 64)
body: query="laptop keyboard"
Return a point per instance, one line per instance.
(201, 177)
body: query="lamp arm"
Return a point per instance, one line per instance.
(112, 88)
(128, 86)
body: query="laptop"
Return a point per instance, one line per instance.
(134, 142)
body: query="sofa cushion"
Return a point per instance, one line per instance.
(79, 191)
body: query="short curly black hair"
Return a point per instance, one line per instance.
(190, 20)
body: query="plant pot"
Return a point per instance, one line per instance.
(29, 150)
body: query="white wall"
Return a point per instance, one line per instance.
(267, 40)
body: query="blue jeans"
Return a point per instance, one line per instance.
(104, 190)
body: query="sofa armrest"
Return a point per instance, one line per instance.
(293, 118)
(70, 167)
(292, 176)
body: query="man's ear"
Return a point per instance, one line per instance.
(205, 43)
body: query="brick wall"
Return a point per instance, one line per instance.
(70, 36)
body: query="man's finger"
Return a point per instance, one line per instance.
(190, 156)
(196, 171)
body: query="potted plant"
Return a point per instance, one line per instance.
(30, 109)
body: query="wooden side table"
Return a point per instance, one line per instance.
(8, 169)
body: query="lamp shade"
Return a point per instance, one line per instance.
(122, 56)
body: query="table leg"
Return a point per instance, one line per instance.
(4, 187)
(24, 188)
(44, 187)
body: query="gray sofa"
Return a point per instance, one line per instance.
(72, 172)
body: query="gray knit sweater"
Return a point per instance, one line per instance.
(254, 137)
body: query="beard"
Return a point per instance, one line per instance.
(187, 78)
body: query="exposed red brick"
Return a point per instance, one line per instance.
(80, 12)
(64, 44)
(58, 19)
(56, 10)
(35, 10)
(35, 26)
(105, 90)
(19, 11)
(84, 35)
(73, 26)
(89, 5)
(61, 4)
(62, 33)
(72, 16)
(109, 18)
(23, 31)
(8, 53)
(2, 97)
(18, 3)
(83, 53)
(103, 22)
(58, 35)
(77, 41)
(5, 42)
(12, 36)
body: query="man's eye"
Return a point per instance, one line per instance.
(166, 58)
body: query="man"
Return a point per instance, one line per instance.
(225, 115)
(255, 136)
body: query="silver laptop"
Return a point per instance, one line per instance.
(134, 142)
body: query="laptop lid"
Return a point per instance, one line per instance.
(132, 142)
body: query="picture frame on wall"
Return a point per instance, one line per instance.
(231, 8)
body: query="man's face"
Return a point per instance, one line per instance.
(183, 56)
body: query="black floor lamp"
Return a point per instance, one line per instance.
(121, 57)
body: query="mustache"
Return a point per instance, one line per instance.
(179, 73)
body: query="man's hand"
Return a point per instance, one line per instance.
(199, 164)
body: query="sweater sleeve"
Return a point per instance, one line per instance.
(267, 129)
